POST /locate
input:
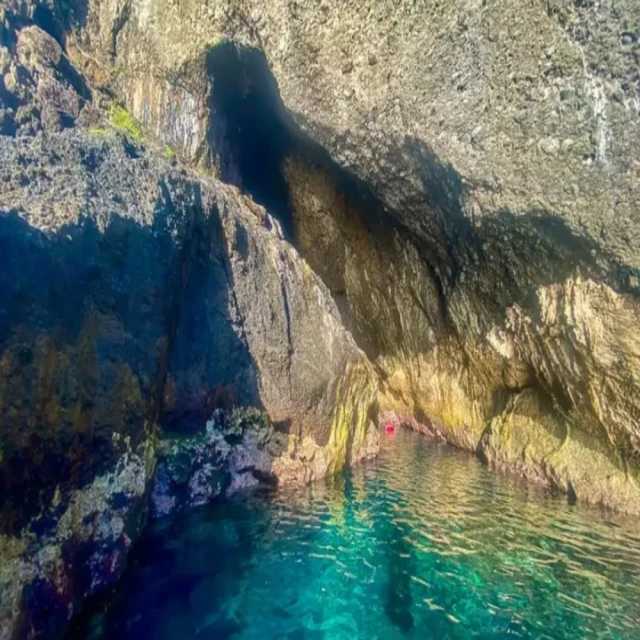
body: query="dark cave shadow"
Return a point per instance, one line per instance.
(102, 331)
(252, 132)
(178, 575)
(246, 129)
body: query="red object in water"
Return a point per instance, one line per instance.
(390, 429)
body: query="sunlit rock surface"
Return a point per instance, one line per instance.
(464, 178)
(316, 210)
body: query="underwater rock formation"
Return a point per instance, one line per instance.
(235, 451)
(239, 449)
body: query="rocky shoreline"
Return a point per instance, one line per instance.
(234, 236)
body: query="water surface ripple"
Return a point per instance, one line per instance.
(423, 543)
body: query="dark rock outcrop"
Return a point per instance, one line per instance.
(139, 298)
(236, 451)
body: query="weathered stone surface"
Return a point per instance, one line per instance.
(77, 549)
(139, 296)
(484, 85)
(492, 162)
(239, 449)
(463, 177)
(39, 88)
(136, 294)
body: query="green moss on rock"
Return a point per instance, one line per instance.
(121, 119)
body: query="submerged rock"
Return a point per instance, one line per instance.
(73, 550)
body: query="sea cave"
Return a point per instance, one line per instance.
(318, 320)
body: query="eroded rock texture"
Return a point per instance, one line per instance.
(138, 299)
(137, 296)
(463, 176)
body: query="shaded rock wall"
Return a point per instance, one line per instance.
(471, 170)
(565, 352)
(138, 298)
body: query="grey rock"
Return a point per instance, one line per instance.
(137, 296)
(237, 450)
(457, 351)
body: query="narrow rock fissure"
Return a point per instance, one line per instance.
(248, 128)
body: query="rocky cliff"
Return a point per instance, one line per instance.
(316, 209)
(464, 177)
(149, 312)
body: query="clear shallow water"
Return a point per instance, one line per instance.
(423, 543)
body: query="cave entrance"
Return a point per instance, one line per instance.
(250, 136)
(250, 131)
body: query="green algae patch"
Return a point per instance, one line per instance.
(307, 276)
(98, 132)
(121, 119)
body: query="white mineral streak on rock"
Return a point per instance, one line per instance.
(501, 342)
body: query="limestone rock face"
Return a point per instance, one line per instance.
(461, 182)
(531, 105)
(465, 178)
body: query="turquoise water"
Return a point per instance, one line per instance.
(423, 543)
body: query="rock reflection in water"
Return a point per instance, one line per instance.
(400, 568)
(423, 543)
